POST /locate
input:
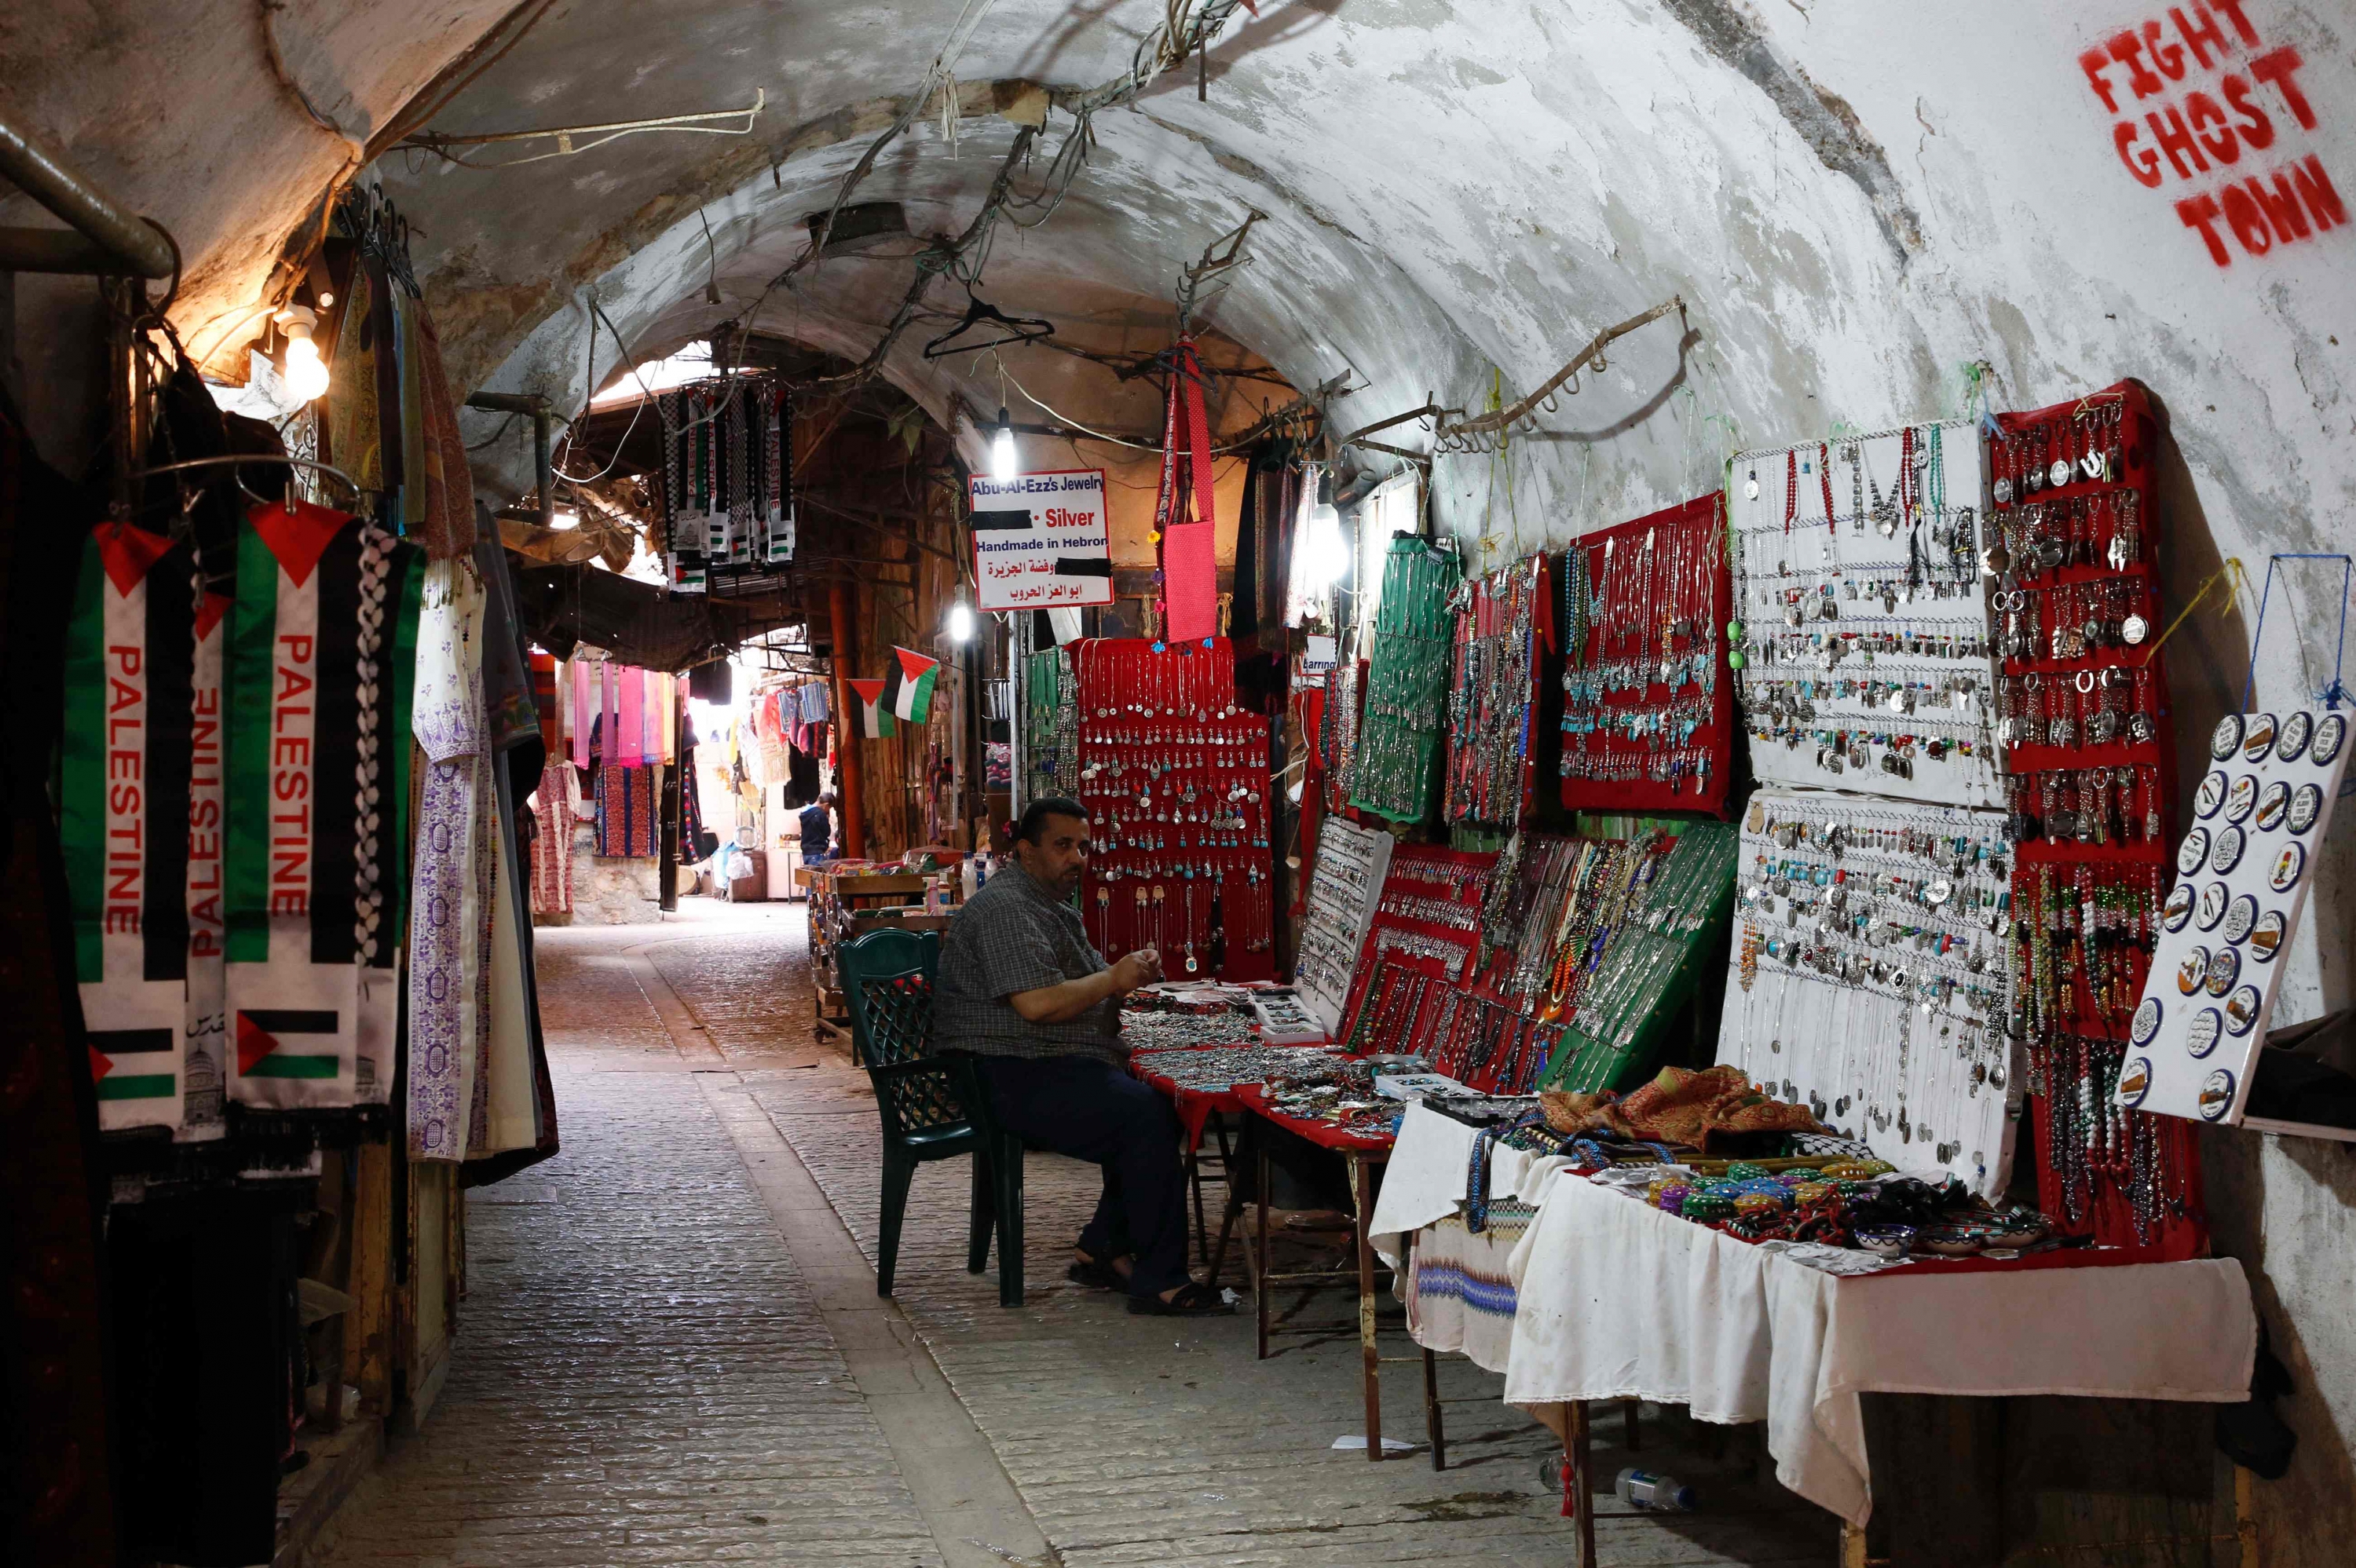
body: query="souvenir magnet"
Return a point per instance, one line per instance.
(2242, 1010)
(2226, 738)
(2200, 1036)
(2146, 1023)
(2214, 898)
(2287, 866)
(2305, 805)
(2192, 851)
(2212, 793)
(2135, 1081)
(2242, 916)
(2258, 738)
(2297, 729)
(2241, 797)
(2224, 969)
(2273, 806)
(2331, 732)
(2217, 1095)
(2179, 907)
(2191, 969)
(2227, 853)
(2266, 937)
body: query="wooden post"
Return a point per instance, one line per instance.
(369, 1350)
(846, 739)
(1577, 1464)
(1852, 1545)
(1432, 1428)
(1370, 1356)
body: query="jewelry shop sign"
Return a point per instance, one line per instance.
(1041, 541)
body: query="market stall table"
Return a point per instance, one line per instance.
(1614, 1298)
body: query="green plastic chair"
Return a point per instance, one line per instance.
(887, 984)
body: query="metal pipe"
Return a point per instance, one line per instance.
(129, 244)
(542, 426)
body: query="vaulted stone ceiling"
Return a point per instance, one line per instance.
(1854, 200)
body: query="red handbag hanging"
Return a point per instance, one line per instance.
(1190, 571)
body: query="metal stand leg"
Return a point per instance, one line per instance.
(1362, 1198)
(1432, 1428)
(1259, 1251)
(1194, 1185)
(1578, 1462)
(1235, 1207)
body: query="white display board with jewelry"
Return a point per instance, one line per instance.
(1861, 627)
(2259, 818)
(1869, 979)
(1351, 861)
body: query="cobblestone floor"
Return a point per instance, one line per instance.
(642, 1374)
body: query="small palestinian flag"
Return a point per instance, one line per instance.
(124, 784)
(908, 685)
(875, 719)
(316, 783)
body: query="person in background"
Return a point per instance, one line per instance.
(1020, 988)
(818, 829)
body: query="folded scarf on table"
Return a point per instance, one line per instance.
(1682, 1105)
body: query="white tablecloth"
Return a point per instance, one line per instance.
(1425, 1179)
(1616, 1299)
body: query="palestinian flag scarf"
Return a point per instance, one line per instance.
(206, 1068)
(125, 813)
(908, 685)
(318, 785)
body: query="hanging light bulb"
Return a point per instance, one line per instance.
(961, 622)
(1002, 448)
(306, 372)
(1324, 554)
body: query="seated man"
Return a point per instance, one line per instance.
(1020, 987)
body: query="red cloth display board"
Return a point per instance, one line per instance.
(1422, 944)
(1195, 1107)
(1648, 701)
(1253, 1097)
(1176, 778)
(2073, 538)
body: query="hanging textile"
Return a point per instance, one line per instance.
(544, 704)
(551, 860)
(908, 685)
(445, 503)
(450, 928)
(124, 810)
(1190, 571)
(316, 750)
(205, 1028)
(584, 717)
(625, 813)
(626, 740)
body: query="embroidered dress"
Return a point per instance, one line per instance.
(551, 860)
(625, 813)
(316, 750)
(450, 929)
(125, 799)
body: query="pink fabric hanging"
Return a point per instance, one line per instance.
(609, 719)
(630, 751)
(582, 715)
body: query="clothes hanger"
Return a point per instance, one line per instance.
(1020, 329)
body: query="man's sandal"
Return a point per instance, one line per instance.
(1194, 1300)
(1096, 1273)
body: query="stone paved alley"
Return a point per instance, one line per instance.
(670, 1350)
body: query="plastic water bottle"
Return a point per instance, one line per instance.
(1649, 1493)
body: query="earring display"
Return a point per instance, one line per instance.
(2081, 714)
(1351, 864)
(1422, 946)
(2261, 810)
(1051, 720)
(1337, 734)
(1861, 624)
(1504, 632)
(1869, 976)
(1396, 768)
(1175, 779)
(1647, 705)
